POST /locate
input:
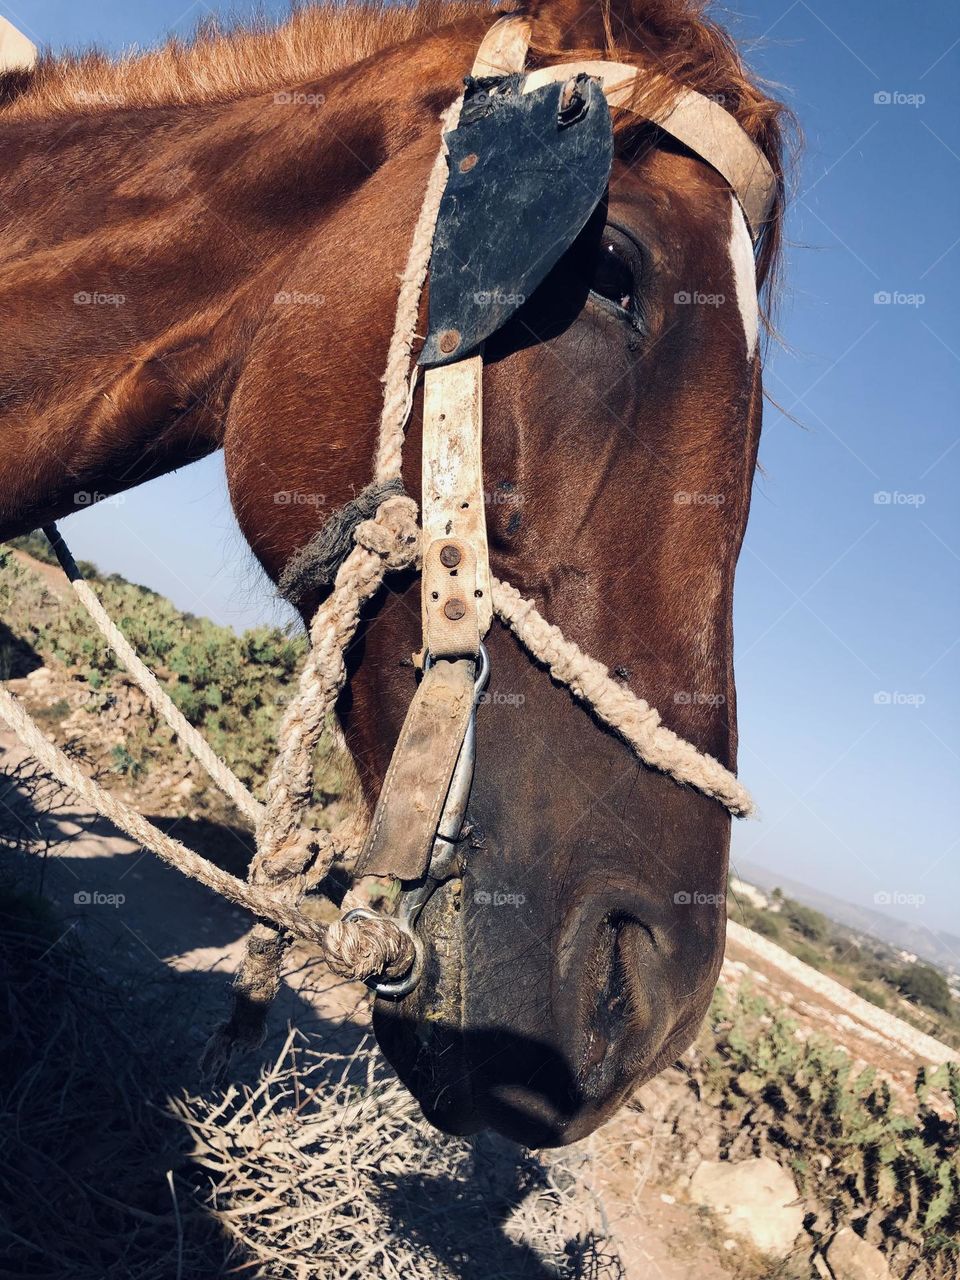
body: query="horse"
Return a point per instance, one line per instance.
(201, 250)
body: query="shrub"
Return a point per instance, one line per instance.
(766, 925)
(866, 992)
(925, 985)
(232, 687)
(894, 1171)
(807, 922)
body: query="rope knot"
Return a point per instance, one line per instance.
(393, 533)
(368, 947)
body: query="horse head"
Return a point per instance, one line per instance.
(574, 952)
(251, 238)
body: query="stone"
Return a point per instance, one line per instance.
(851, 1258)
(753, 1199)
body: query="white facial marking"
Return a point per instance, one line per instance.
(744, 274)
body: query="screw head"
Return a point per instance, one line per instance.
(449, 341)
(450, 557)
(454, 610)
(468, 162)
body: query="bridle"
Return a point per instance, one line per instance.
(415, 836)
(415, 833)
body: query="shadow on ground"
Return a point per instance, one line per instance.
(116, 970)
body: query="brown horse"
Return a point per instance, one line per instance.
(201, 249)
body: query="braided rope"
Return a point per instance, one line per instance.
(196, 744)
(399, 384)
(631, 717)
(390, 540)
(257, 900)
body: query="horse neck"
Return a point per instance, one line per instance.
(127, 302)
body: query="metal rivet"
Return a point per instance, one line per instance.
(450, 557)
(467, 163)
(449, 341)
(454, 610)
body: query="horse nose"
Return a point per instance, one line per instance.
(610, 999)
(624, 980)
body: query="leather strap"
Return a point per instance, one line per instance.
(695, 120)
(411, 803)
(456, 595)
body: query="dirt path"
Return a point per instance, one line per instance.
(134, 912)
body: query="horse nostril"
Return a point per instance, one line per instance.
(621, 945)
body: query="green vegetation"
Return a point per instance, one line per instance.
(232, 687)
(892, 1171)
(927, 986)
(35, 544)
(807, 922)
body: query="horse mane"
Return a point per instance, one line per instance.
(224, 63)
(220, 63)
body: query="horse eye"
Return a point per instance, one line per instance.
(613, 276)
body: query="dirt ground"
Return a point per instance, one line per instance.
(135, 915)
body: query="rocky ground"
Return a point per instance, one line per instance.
(669, 1205)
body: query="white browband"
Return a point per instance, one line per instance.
(699, 122)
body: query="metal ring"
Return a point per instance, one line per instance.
(391, 988)
(483, 675)
(394, 988)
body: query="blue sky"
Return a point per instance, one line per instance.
(848, 608)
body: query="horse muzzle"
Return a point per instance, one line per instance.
(481, 1045)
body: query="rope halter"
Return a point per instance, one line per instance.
(418, 819)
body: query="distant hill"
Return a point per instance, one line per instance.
(936, 946)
